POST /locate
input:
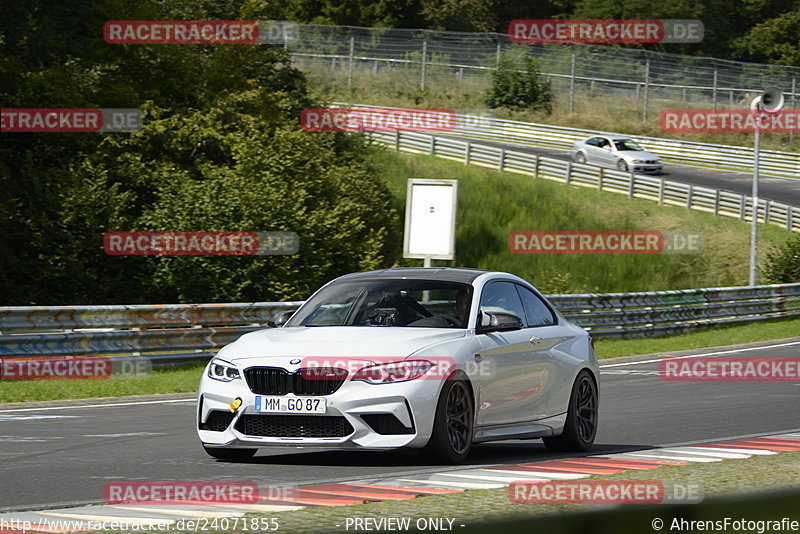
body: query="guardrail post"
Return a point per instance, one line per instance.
(397, 140)
(631, 185)
(716, 203)
(424, 57)
(714, 89)
(794, 105)
(646, 89)
(661, 192)
(767, 209)
(790, 218)
(600, 175)
(689, 196)
(466, 153)
(569, 173)
(352, 59)
(536, 167)
(433, 145)
(502, 162)
(572, 82)
(742, 207)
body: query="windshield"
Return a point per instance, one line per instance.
(416, 303)
(626, 144)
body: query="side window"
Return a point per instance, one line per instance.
(592, 141)
(502, 297)
(536, 311)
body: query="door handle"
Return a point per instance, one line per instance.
(535, 340)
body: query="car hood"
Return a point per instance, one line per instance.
(638, 154)
(363, 342)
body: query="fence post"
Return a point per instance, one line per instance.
(466, 153)
(794, 105)
(499, 52)
(569, 173)
(767, 208)
(600, 179)
(631, 185)
(790, 218)
(572, 82)
(433, 145)
(397, 140)
(352, 58)
(424, 59)
(502, 162)
(661, 193)
(536, 167)
(742, 207)
(689, 196)
(646, 89)
(714, 89)
(716, 203)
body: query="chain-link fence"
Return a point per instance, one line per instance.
(420, 58)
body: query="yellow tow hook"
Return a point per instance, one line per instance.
(235, 404)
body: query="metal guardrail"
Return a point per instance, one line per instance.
(661, 190)
(39, 331)
(560, 137)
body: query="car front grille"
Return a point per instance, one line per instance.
(217, 421)
(307, 381)
(294, 426)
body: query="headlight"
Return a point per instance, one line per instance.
(388, 373)
(638, 161)
(222, 371)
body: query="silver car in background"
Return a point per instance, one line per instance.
(622, 153)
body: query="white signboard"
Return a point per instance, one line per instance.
(431, 219)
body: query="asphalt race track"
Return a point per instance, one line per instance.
(786, 190)
(63, 454)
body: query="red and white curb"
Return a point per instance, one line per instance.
(413, 486)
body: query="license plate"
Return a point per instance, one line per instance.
(275, 404)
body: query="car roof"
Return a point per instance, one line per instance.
(445, 274)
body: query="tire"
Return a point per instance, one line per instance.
(622, 166)
(230, 454)
(451, 439)
(580, 157)
(580, 427)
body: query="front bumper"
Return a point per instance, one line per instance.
(644, 167)
(412, 403)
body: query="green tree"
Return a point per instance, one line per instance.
(517, 85)
(783, 263)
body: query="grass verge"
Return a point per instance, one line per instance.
(182, 380)
(492, 204)
(727, 477)
(712, 337)
(592, 110)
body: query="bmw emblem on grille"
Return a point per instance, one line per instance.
(294, 361)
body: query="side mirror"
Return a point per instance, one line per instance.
(279, 318)
(500, 322)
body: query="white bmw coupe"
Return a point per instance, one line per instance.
(431, 358)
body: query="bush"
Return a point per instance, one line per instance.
(783, 262)
(517, 85)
